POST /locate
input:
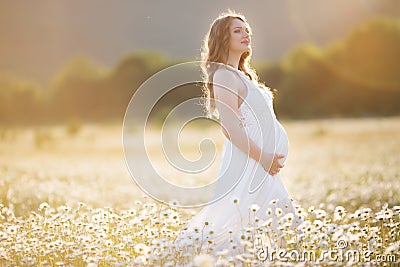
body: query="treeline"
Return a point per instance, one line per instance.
(357, 76)
(81, 91)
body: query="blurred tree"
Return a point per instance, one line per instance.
(20, 101)
(354, 77)
(130, 72)
(372, 53)
(77, 89)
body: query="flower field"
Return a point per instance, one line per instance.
(67, 199)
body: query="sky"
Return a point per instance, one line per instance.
(39, 37)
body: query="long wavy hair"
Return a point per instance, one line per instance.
(215, 49)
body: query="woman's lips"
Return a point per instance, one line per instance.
(246, 42)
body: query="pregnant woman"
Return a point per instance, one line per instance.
(250, 193)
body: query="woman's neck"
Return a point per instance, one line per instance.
(233, 60)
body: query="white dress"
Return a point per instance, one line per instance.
(245, 191)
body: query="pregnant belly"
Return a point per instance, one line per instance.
(263, 136)
(282, 142)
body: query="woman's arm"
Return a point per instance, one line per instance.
(226, 89)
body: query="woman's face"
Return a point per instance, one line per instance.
(240, 36)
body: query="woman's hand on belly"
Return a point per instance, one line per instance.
(271, 162)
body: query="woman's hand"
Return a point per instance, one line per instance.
(271, 164)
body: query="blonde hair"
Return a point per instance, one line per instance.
(215, 48)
